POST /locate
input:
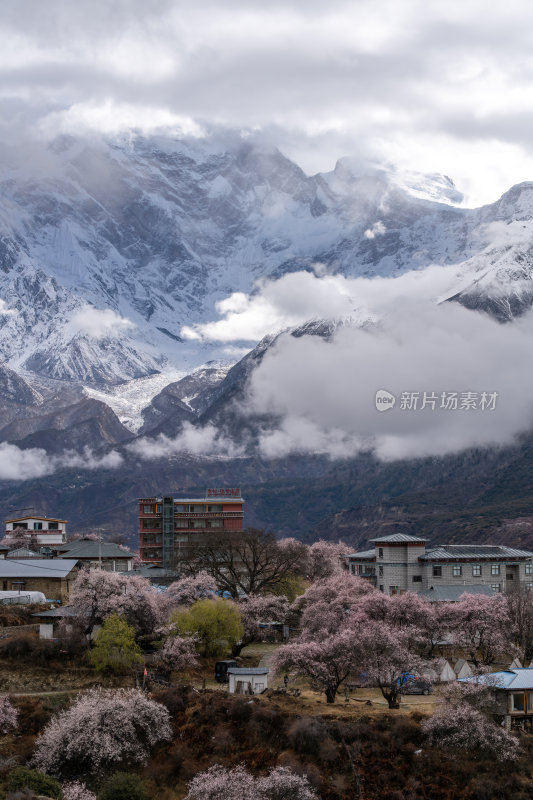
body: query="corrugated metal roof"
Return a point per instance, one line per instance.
(36, 567)
(42, 519)
(364, 554)
(398, 537)
(250, 671)
(90, 549)
(507, 679)
(473, 552)
(451, 593)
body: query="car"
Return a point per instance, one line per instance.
(221, 670)
(416, 686)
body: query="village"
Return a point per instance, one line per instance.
(209, 619)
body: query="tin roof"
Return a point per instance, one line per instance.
(36, 567)
(451, 593)
(506, 679)
(87, 548)
(398, 537)
(364, 554)
(250, 671)
(475, 552)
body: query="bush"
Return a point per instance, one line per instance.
(123, 786)
(115, 649)
(24, 778)
(306, 735)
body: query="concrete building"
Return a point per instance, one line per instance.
(249, 680)
(513, 695)
(170, 527)
(51, 576)
(401, 563)
(47, 531)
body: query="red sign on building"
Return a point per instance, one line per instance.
(225, 492)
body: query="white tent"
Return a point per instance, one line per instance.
(515, 664)
(447, 673)
(462, 669)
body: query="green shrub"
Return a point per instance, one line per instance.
(123, 786)
(38, 782)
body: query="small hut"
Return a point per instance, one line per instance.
(247, 680)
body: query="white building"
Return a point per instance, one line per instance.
(252, 680)
(48, 531)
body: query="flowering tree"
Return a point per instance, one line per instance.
(461, 727)
(188, 590)
(219, 783)
(77, 791)
(327, 605)
(8, 715)
(178, 653)
(482, 626)
(96, 594)
(326, 559)
(384, 652)
(102, 729)
(327, 663)
(256, 609)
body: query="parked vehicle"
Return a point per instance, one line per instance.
(416, 686)
(221, 670)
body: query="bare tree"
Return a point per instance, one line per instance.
(248, 562)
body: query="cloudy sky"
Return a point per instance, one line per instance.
(444, 86)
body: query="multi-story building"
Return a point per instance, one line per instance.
(170, 527)
(401, 563)
(46, 531)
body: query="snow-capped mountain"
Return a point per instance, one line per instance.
(111, 249)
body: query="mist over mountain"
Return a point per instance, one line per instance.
(197, 311)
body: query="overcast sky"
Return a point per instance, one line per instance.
(440, 86)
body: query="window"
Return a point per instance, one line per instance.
(181, 523)
(517, 701)
(509, 576)
(215, 523)
(437, 572)
(353, 568)
(529, 586)
(380, 572)
(380, 552)
(37, 526)
(530, 701)
(494, 569)
(199, 523)
(417, 578)
(528, 569)
(380, 587)
(198, 509)
(181, 537)
(148, 509)
(457, 570)
(393, 589)
(215, 508)
(495, 587)
(53, 526)
(476, 570)
(180, 508)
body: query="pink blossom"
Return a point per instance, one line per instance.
(326, 559)
(97, 593)
(256, 609)
(178, 653)
(100, 730)
(220, 783)
(461, 727)
(327, 605)
(188, 590)
(77, 791)
(8, 714)
(481, 625)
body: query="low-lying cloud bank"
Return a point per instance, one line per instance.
(17, 464)
(460, 380)
(206, 441)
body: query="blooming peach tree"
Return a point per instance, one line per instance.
(220, 783)
(463, 728)
(102, 729)
(8, 715)
(178, 653)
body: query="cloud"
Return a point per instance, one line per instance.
(22, 465)
(325, 391)
(299, 297)
(206, 441)
(98, 323)
(377, 229)
(421, 84)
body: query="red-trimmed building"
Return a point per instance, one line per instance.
(169, 527)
